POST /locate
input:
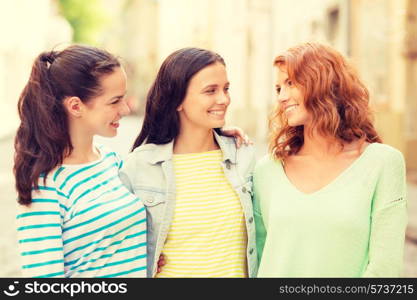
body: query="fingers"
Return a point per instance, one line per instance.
(243, 139)
(238, 134)
(247, 140)
(161, 262)
(238, 142)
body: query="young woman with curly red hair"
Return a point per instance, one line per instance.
(330, 197)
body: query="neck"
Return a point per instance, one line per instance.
(194, 141)
(83, 148)
(319, 146)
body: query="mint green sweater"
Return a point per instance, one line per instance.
(352, 227)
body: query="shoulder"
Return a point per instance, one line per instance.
(146, 148)
(106, 151)
(148, 155)
(51, 179)
(246, 152)
(227, 139)
(265, 163)
(228, 146)
(48, 185)
(142, 153)
(385, 160)
(386, 154)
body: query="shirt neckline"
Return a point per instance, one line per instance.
(198, 153)
(331, 183)
(101, 155)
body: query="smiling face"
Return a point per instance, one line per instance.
(291, 100)
(101, 115)
(206, 100)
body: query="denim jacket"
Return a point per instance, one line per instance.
(148, 172)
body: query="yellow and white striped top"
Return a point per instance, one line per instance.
(207, 237)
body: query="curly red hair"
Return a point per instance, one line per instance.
(333, 94)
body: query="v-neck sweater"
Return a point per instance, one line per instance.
(352, 227)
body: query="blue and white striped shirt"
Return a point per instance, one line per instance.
(83, 222)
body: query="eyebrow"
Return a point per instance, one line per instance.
(285, 81)
(118, 97)
(214, 85)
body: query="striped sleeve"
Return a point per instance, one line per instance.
(39, 231)
(119, 161)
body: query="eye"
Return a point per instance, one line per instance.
(278, 89)
(210, 91)
(115, 102)
(226, 89)
(289, 82)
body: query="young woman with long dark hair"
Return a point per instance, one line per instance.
(329, 199)
(195, 183)
(76, 217)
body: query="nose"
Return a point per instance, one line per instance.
(223, 98)
(124, 109)
(282, 95)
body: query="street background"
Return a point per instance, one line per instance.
(378, 36)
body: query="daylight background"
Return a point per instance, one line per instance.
(378, 36)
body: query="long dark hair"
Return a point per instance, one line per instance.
(161, 124)
(43, 139)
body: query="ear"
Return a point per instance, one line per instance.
(179, 108)
(74, 106)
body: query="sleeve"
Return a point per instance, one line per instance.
(119, 161)
(259, 223)
(127, 172)
(388, 220)
(39, 232)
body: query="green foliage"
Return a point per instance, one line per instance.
(87, 18)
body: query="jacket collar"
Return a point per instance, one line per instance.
(160, 153)
(228, 147)
(164, 152)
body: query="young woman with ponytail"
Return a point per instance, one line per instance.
(76, 218)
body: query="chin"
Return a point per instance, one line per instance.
(218, 124)
(109, 134)
(294, 123)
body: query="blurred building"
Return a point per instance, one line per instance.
(379, 36)
(241, 32)
(26, 27)
(133, 35)
(383, 43)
